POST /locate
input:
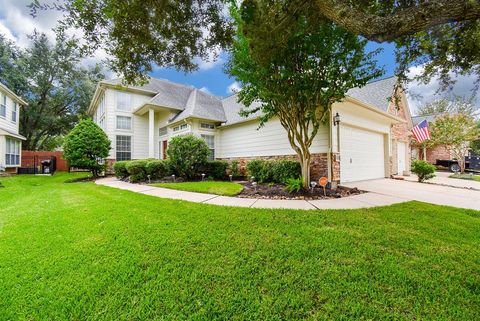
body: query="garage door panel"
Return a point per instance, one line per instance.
(362, 154)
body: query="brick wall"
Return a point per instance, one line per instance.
(438, 152)
(62, 164)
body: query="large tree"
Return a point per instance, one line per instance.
(50, 78)
(300, 80)
(442, 35)
(456, 105)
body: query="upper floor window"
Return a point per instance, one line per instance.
(14, 112)
(101, 108)
(179, 128)
(124, 122)
(210, 140)
(123, 101)
(162, 131)
(207, 126)
(12, 154)
(3, 105)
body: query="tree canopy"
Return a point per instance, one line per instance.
(457, 105)
(50, 78)
(443, 36)
(300, 80)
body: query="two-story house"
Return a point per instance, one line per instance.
(10, 139)
(370, 141)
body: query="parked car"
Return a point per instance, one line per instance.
(472, 163)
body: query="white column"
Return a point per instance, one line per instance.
(151, 133)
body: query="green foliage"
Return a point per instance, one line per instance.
(158, 169)
(423, 169)
(234, 169)
(137, 169)
(294, 185)
(50, 77)
(215, 169)
(187, 154)
(120, 169)
(457, 105)
(278, 171)
(475, 145)
(86, 147)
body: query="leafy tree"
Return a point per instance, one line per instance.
(457, 105)
(475, 145)
(50, 78)
(299, 81)
(443, 34)
(456, 132)
(86, 147)
(187, 154)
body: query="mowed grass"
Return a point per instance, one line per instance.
(80, 251)
(466, 176)
(209, 187)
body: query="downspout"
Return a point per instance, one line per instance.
(330, 147)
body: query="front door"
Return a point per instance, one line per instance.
(164, 149)
(401, 157)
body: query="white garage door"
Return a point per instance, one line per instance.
(362, 154)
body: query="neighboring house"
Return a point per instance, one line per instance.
(10, 139)
(140, 120)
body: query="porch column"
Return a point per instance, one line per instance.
(151, 133)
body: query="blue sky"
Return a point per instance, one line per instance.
(213, 78)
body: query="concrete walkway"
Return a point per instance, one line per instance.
(351, 202)
(429, 193)
(442, 178)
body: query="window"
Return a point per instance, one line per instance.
(14, 112)
(12, 155)
(179, 128)
(3, 105)
(124, 148)
(162, 131)
(124, 122)
(123, 101)
(210, 140)
(207, 126)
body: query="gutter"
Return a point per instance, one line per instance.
(375, 109)
(16, 97)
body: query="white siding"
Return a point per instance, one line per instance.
(2, 150)
(6, 122)
(247, 140)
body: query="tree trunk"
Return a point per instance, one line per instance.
(305, 164)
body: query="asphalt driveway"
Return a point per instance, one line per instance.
(430, 193)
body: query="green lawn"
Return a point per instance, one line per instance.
(80, 251)
(466, 176)
(209, 187)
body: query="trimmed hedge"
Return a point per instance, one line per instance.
(216, 169)
(158, 169)
(423, 169)
(234, 169)
(278, 171)
(120, 169)
(137, 170)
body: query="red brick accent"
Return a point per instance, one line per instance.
(62, 164)
(109, 163)
(437, 152)
(11, 170)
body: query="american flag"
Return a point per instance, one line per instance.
(421, 131)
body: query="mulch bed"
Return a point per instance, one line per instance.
(277, 191)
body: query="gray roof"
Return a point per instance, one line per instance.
(192, 102)
(376, 93)
(430, 118)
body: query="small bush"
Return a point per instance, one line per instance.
(120, 169)
(234, 169)
(215, 169)
(137, 170)
(424, 170)
(158, 169)
(294, 184)
(187, 154)
(274, 171)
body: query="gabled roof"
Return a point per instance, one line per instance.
(376, 93)
(202, 105)
(232, 109)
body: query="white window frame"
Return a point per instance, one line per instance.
(207, 126)
(129, 127)
(180, 128)
(123, 150)
(3, 105)
(128, 101)
(14, 112)
(210, 146)
(163, 131)
(12, 152)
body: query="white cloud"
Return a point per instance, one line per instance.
(214, 59)
(234, 87)
(206, 90)
(419, 93)
(4, 31)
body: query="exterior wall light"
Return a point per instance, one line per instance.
(336, 119)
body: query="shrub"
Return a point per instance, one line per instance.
(158, 169)
(120, 169)
(274, 171)
(187, 154)
(234, 169)
(86, 146)
(137, 170)
(215, 169)
(294, 184)
(424, 170)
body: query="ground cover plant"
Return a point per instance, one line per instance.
(472, 177)
(209, 187)
(80, 251)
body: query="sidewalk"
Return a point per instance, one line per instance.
(356, 201)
